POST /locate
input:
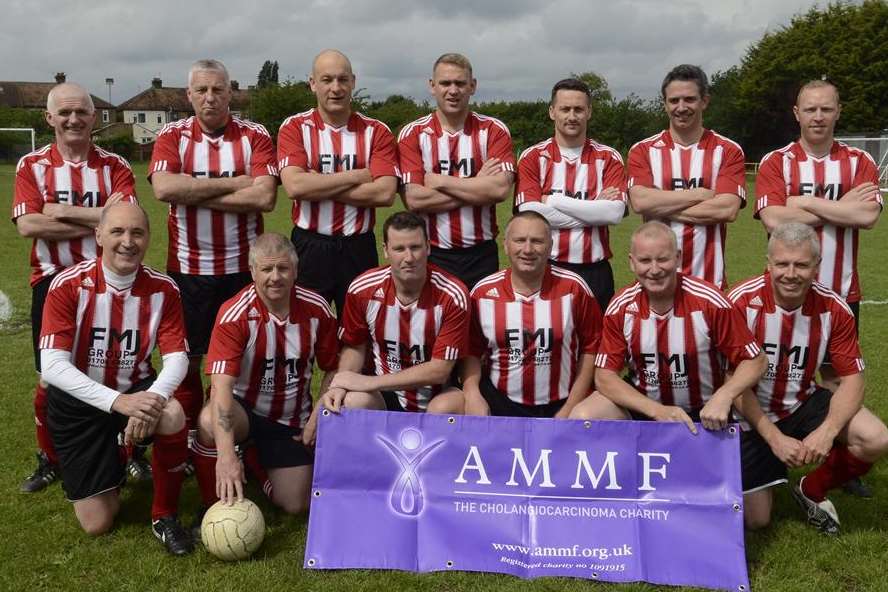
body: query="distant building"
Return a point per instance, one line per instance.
(32, 96)
(158, 105)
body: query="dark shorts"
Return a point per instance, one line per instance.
(38, 299)
(275, 442)
(328, 264)
(501, 405)
(202, 295)
(599, 276)
(86, 443)
(471, 264)
(761, 469)
(392, 403)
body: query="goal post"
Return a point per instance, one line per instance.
(10, 130)
(878, 149)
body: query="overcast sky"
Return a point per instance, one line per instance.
(518, 48)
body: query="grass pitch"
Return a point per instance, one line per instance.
(43, 548)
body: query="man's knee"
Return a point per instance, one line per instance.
(205, 426)
(757, 509)
(597, 406)
(868, 436)
(450, 402)
(172, 418)
(96, 525)
(362, 400)
(96, 515)
(292, 504)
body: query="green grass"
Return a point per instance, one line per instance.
(42, 547)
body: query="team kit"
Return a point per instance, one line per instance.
(440, 327)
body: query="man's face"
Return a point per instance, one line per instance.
(332, 82)
(528, 244)
(570, 111)
(453, 87)
(210, 94)
(123, 236)
(407, 251)
(71, 117)
(655, 261)
(817, 112)
(274, 276)
(684, 105)
(793, 269)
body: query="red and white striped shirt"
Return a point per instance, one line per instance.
(531, 345)
(112, 333)
(425, 147)
(676, 358)
(204, 241)
(305, 141)
(272, 358)
(796, 341)
(434, 326)
(716, 163)
(543, 171)
(44, 176)
(791, 171)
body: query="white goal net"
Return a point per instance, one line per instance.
(878, 148)
(15, 142)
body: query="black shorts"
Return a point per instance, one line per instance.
(328, 264)
(502, 406)
(761, 469)
(471, 264)
(279, 446)
(599, 276)
(86, 442)
(38, 299)
(202, 296)
(392, 403)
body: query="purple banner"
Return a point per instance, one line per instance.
(615, 501)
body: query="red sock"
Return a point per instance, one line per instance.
(190, 396)
(839, 467)
(204, 458)
(44, 439)
(252, 464)
(168, 466)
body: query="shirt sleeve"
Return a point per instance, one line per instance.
(59, 324)
(639, 168)
(477, 340)
(589, 322)
(770, 186)
(327, 347)
(353, 328)
(843, 346)
(383, 154)
(499, 145)
(171, 330)
(165, 155)
(451, 343)
(27, 198)
(123, 181)
(613, 349)
(228, 343)
(732, 173)
(530, 186)
(867, 172)
(290, 149)
(615, 176)
(730, 335)
(410, 157)
(262, 159)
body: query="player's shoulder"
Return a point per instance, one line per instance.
(725, 141)
(250, 127)
(449, 286)
(488, 121)
(41, 154)
(297, 119)
(315, 301)
(604, 150)
(415, 127)
(111, 158)
(747, 289)
(777, 154)
(569, 281)
(830, 300)
(159, 281)
(854, 152)
(537, 149)
(175, 128)
(625, 300)
(238, 307)
(489, 286)
(645, 143)
(75, 275)
(369, 281)
(703, 292)
(372, 122)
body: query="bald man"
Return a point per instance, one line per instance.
(60, 191)
(337, 166)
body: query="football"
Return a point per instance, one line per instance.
(233, 532)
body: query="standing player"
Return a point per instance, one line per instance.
(535, 331)
(578, 185)
(456, 166)
(218, 174)
(262, 351)
(412, 319)
(337, 166)
(689, 177)
(795, 422)
(60, 191)
(675, 332)
(102, 320)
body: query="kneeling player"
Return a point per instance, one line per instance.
(536, 328)
(414, 319)
(795, 421)
(101, 321)
(674, 331)
(264, 344)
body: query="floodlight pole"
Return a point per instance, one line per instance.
(109, 82)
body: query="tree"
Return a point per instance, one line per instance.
(268, 75)
(601, 94)
(272, 104)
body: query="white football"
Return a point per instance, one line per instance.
(233, 532)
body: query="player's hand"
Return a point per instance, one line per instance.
(361, 176)
(52, 210)
(114, 198)
(673, 413)
(142, 405)
(230, 479)
(476, 404)
(333, 398)
(817, 444)
(611, 193)
(433, 181)
(492, 166)
(137, 430)
(863, 192)
(352, 381)
(790, 451)
(715, 413)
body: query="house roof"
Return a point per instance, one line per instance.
(175, 99)
(32, 95)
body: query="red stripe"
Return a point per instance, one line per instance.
(781, 382)
(405, 337)
(279, 356)
(113, 349)
(76, 189)
(695, 397)
(363, 160)
(500, 325)
(663, 371)
(84, 324)
(143, 369)
(257, 370)
(50, 197)
(557, 345)
(237, 149)
(217, 218)
(338, 220)
(456, 234)
(304, 359)
(529, 347)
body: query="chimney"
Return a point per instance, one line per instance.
(60, 77)
(235, 85)
(156, 83)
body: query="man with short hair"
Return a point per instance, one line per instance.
(218, 173)
(535, 331)
(102, 320)
(60, 191)
(798, 321)
(689, 177)
(456, 165)
(262, 351)
(578, 185)
(337, 166)
(676, 333)
(412, 319)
